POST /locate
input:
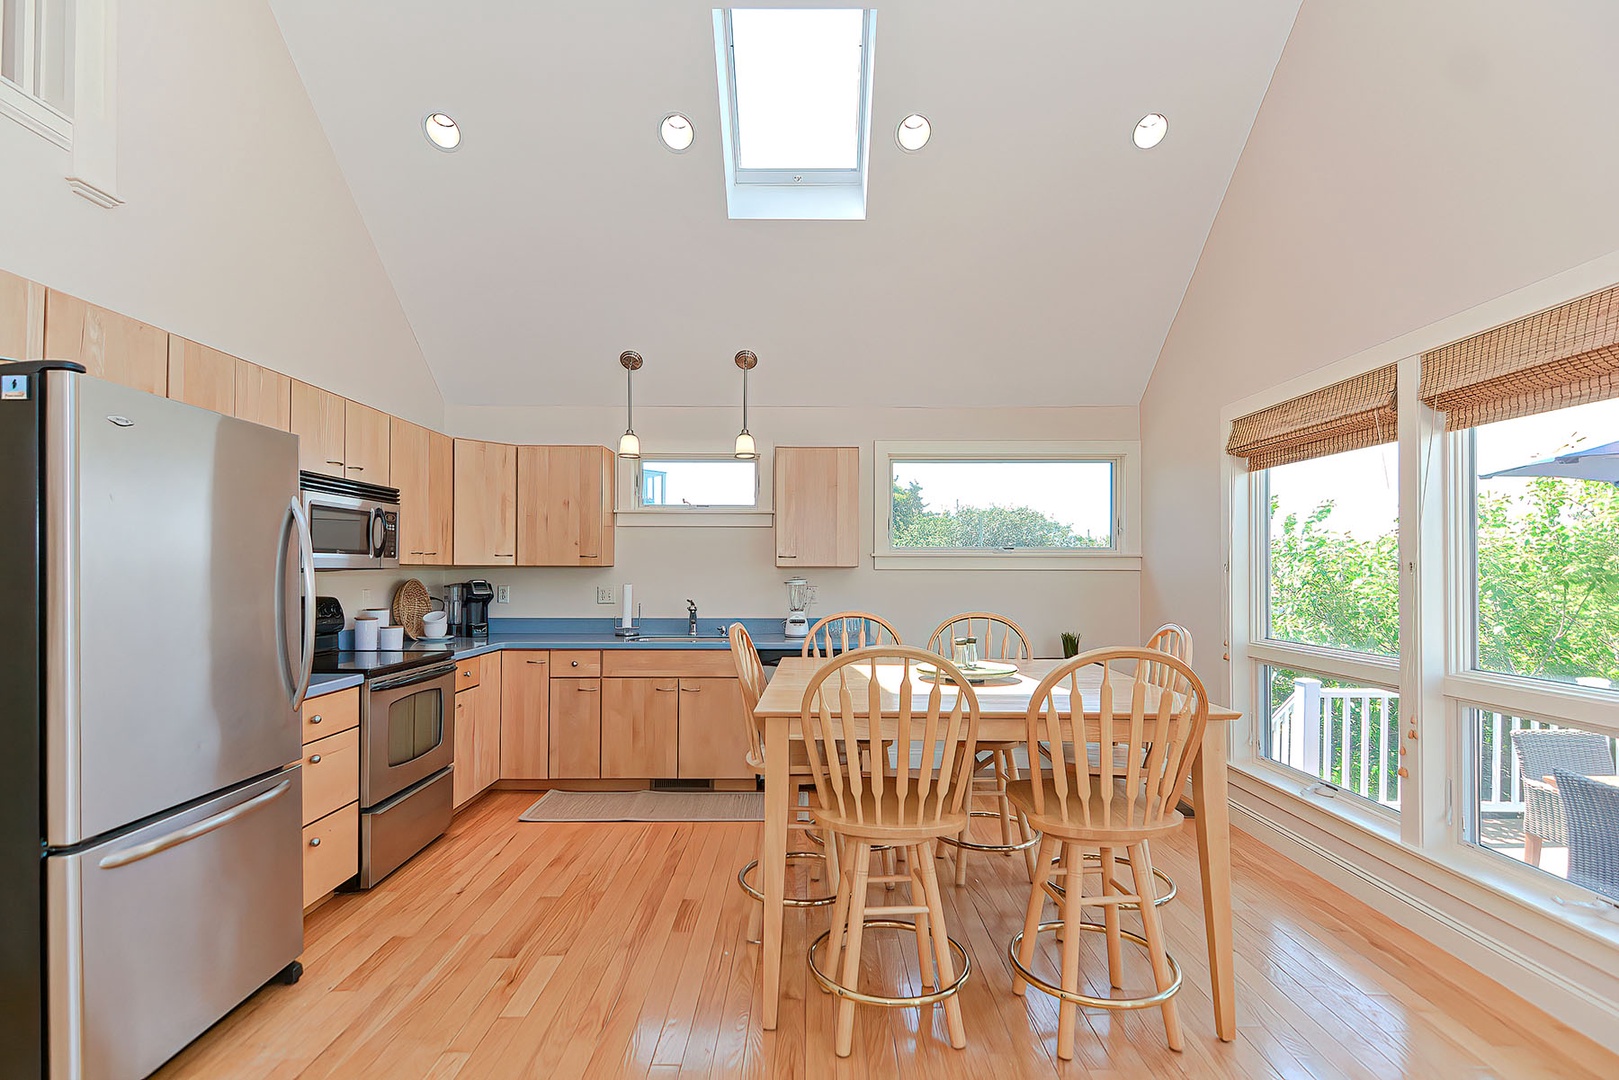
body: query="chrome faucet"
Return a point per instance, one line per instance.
(691, 617)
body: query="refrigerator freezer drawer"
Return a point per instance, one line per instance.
(155, 935)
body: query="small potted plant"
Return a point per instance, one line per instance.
(1070, 644)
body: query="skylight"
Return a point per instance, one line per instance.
(796, 89)
(798, 77)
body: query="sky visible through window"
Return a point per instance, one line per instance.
(798, 75)
(714, 482)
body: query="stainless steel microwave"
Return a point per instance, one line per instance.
(353, 526)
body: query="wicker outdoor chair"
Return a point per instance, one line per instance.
(1540, 753)
(1592, 809)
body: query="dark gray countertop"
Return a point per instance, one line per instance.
(329, 684)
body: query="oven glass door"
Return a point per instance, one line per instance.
(408, 732)
(415, 726)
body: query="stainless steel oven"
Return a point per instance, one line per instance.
(407, 747)
(353, 526)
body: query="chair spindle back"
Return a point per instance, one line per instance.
(1171, 638)
(932, 745)
(750, 673)
(1145, 737)
(848, 630)
(999, 638)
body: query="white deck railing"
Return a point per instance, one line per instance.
(1348, 737)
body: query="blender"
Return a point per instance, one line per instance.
(798, 600)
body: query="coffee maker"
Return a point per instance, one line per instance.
(468, 605)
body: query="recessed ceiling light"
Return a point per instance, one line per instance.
(676, 132)
(1151, 130)
(441, 131)
(913, 132)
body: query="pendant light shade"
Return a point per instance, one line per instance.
(629, 443)
(746, 450)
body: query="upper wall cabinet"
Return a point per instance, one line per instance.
(318, 420)
(365, 443)
(109, 345)
(817, 490)
(263, 396)
(22, 318)
(485, 503)
(422, 467)
(565, 506)
(201, 376)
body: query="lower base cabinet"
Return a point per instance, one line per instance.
(477, 726)
(713, 743)
(331, 851)
(575, 729)
(640, 729)
(525, 714)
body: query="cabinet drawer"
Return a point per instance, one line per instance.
(566, 664)
(669, 663)
(468, 673)
(331, 773)
(331, 852)
(330, 713)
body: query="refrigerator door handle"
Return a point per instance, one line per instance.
(306, 567)
(191, 832)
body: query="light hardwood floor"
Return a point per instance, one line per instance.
(513, 950)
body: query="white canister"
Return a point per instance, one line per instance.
(365, 633)
(390, 638)
(381, 614)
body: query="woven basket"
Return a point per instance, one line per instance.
(411, 602)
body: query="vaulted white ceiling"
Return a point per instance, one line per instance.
(1029, 255)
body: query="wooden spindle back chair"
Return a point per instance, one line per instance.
(848, 630)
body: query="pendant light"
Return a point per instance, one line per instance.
(629, 443)
(745, 448)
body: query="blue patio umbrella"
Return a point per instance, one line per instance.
(1592, 463)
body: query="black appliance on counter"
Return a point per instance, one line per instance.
(476, 596)
(407, 743)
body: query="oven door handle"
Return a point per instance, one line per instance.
(379, 532)
(411, 678)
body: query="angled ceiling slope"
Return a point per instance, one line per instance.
(1030, 254)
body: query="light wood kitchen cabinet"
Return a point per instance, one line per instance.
(640, 728)
(525, 714)
(575, 729)
(331, 851)
(365, 443)
(331, 773)
(22, 318)
(201, 376)
(263, 396)
(485, 503)
(109, 345)
(713, 743)
(477, 726)
(817, 493)
(421, 464)
(330, 713)
(318, 421)
(565, 506)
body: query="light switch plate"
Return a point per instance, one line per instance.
(503, 594)
(604, 594)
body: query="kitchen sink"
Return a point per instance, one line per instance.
(670, 638)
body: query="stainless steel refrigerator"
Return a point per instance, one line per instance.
(154, 648)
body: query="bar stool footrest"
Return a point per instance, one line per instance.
(911, 1002)
(1158, 901)
(1147, 1002)
(786, 901)
(1005, 849)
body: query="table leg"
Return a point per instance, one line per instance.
(1211, 802)
(773, 862)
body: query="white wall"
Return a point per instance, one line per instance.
(732, 571)
(238, 229)
(1410, 161)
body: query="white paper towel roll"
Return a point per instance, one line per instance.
(629, 606)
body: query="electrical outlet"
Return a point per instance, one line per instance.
(503, 594)
(604, 594)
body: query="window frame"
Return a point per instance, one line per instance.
(1125, 554)
(638, 474)
(798, 178)
(21, 104)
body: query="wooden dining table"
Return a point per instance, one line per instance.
(1003, 712)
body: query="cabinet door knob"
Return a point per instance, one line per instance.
(314, 759)
(317, 718)
(314, 841)
(575, 663)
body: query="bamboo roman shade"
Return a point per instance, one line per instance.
(1565, 356)
(1348, 415)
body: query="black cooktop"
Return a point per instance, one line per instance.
(373, 664)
